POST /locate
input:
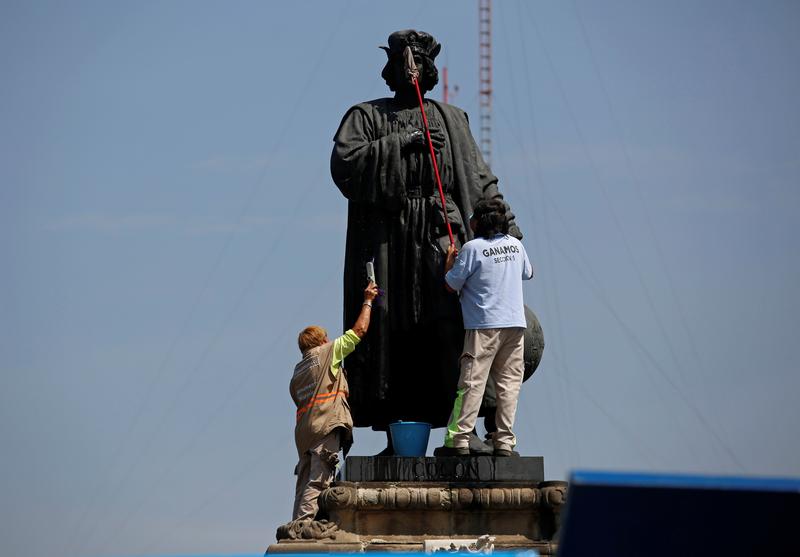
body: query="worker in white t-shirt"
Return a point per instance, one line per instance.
(488, 274)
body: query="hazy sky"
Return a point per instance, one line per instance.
(168, 223)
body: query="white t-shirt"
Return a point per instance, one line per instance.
(489, 274)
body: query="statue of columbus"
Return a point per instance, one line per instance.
(407, 367)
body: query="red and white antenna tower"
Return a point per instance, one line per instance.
(448, 93)
(485, 77)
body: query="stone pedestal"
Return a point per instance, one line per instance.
(396, 503)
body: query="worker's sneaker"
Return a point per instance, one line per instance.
(451, 451)
(505, 452)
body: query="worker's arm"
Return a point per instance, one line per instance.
(458, 267)
(362, 323)
(342, 347)
(346, 343)
(452, 252)
(527, 268)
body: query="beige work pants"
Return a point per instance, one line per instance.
(488, 352)
(315, 471)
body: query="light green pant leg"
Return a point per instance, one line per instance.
(480, 346)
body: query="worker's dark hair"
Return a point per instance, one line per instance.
(490, 217)
(427, 80)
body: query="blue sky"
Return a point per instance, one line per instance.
(168, 224)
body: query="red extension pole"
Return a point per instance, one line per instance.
(414, 73)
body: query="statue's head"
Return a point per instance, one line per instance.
(311, 337)
(489, 218)
(425, 49)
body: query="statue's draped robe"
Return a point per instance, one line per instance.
(407, 366)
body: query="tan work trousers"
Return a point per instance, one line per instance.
(488, 352)
(315, 471)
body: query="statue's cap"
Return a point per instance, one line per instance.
(419, 42)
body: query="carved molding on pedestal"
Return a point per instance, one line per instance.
(554, 497)
(307, 530)
(442, 498)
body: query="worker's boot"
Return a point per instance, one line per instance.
(451, 451)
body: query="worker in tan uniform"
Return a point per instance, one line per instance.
(319, 390)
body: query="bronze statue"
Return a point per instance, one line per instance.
(407, 368)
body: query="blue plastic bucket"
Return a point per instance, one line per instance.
(410, 438)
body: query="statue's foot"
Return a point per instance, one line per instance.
(478, 447)
(389, 450)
